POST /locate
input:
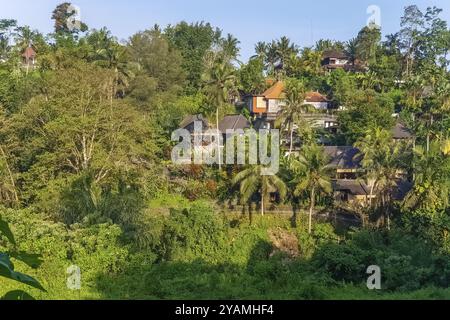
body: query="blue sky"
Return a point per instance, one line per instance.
(249, 20)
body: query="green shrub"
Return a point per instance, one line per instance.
(189, 234)
(342, 262)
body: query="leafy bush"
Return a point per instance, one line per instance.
(342, 262)
(196, 232)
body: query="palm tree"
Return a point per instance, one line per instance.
(414, 92)
(442, 102)
(312, 174)
(383, 161)
(253, 180)
(446, 147)
(7, 27)
(107, 52)
(293, 108)
(327, 44)
(432, 179)
(388, 179)
(351, 50)
(271, 58)
(285, 49)
(261, 51)
(311, 61)
(369, 80)
(24, 36)
(373, 148)
(393, 166)
(230, 48)
(220, 83)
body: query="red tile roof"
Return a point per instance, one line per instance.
(275, 92)
(315, 97)
(29, 53)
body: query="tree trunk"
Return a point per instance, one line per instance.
(387, 203)
(291, 147)
(262, 203)
(371, 194)
(414, 149)
(311, 209)
(429, 134)
(218, 139)
(389, 221)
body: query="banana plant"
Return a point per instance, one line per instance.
(7, 267)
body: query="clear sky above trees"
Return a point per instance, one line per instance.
(250, 21)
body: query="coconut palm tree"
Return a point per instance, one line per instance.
(7, 27)
(271, 58)
(220, 83)
(312, 175)
(369, 80)
(293, 108)
(253, 180)
(230, 48)
(285, 49)
(24, 36)
(107, 52)
(311, 61)
(351, 50)
(383, 160)
(393, 165)
(414, 92)
(431, 180)
(261, 51)
(373, 147)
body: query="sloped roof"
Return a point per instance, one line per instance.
(359, 188)
(191, 119)
(355, 187)
(260, 124)
(275, 92)
(234, 122)
(315, 97)
(345, 157)
(320, 117)
(29, 53)
(401, 132)
(270, 81)
(402, 190)
(334, 54)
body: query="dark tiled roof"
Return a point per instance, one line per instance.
(334, 54)
(260, 124)
(345, 157)
(233, 122)
(190, 119)
(359, 188)
(355, 187)
(403, 188)
(401, 132)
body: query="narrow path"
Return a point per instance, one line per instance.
(341, 217)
